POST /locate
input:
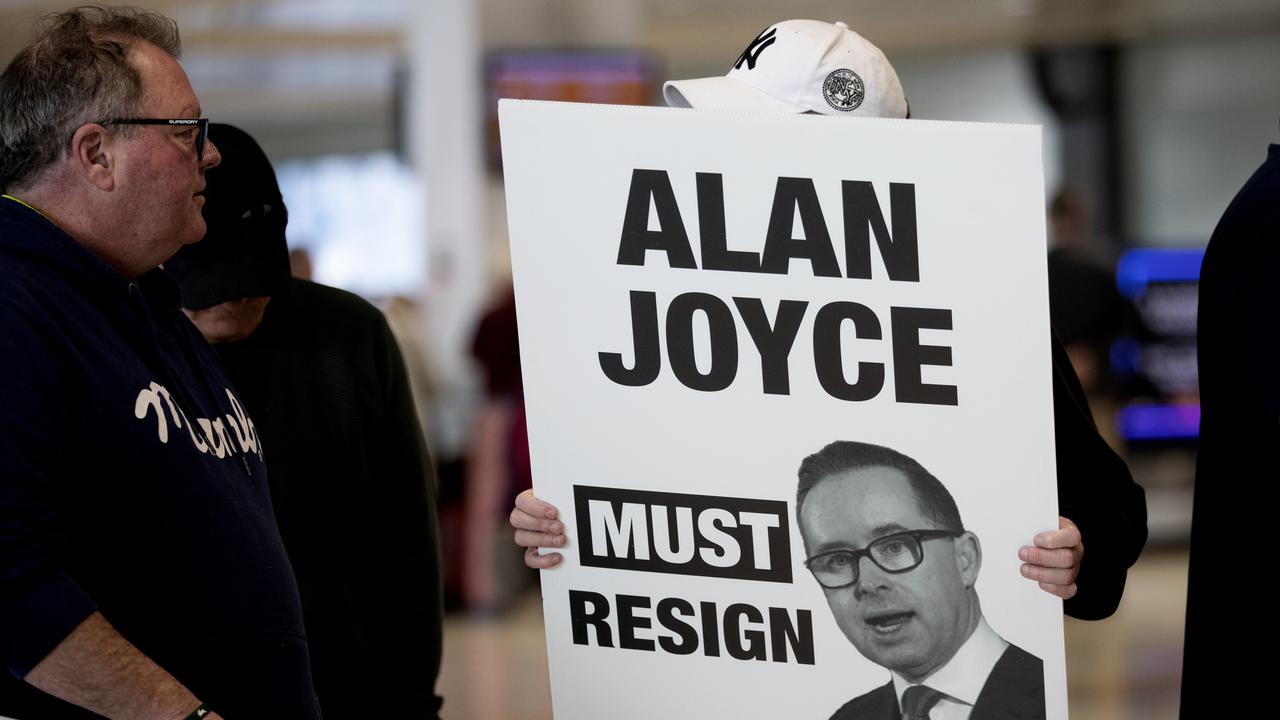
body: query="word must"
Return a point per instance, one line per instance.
(684, 534)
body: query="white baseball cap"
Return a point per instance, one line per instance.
(800, 66)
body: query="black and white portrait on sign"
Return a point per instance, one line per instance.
(885, 540)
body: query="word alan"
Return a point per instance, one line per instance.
(651, 190)
(773, 338)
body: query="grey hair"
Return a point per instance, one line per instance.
(74, 72)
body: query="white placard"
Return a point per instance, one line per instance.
(641, 323)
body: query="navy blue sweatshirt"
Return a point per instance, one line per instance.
(132, 482)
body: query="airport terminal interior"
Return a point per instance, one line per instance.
(380, 117)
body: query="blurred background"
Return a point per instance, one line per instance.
(380, 116)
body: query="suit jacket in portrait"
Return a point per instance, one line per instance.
(1014, 691)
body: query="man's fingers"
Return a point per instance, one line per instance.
(1054, 562)
(1066, 592)
(1067, 535)
(536, 526)
(526, 502)
(529, 539)
(522, 520)
(540, 562)
(1065, 538)
(1052, 576)
(1063, 558)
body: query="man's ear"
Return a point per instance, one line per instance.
(968, 558)
(93, 156)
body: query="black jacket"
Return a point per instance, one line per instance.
(1239, 456)
(351, 480)
(1097, 493)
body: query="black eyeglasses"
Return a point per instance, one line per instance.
(896, 553)
(201, 125)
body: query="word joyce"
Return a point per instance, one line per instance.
(683, 534)
(774, 339)
(746, 632)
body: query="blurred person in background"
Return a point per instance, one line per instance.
(324, 380)
(1087, 311)
(1238, 347)
(1085, 307)
(783, 70)
(404, 317)
(143, 572)
(497, 459)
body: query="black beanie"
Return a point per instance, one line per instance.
(243, 253)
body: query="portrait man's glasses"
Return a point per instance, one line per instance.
(896, 553)
(200, 124)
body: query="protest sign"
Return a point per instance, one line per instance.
(706, 301)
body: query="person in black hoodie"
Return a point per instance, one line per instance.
(142, 573)
(782, 71)
(321, 374)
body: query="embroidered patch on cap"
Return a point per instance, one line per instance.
(843, 90)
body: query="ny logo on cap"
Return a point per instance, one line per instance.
(757, 46)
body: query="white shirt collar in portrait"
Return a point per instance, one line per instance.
(962, 677)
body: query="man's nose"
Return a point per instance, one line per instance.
(870, 578)
(211, 155)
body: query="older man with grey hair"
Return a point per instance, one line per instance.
(143, 572)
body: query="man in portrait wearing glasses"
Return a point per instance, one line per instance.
(885, 541)
(143, 575)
